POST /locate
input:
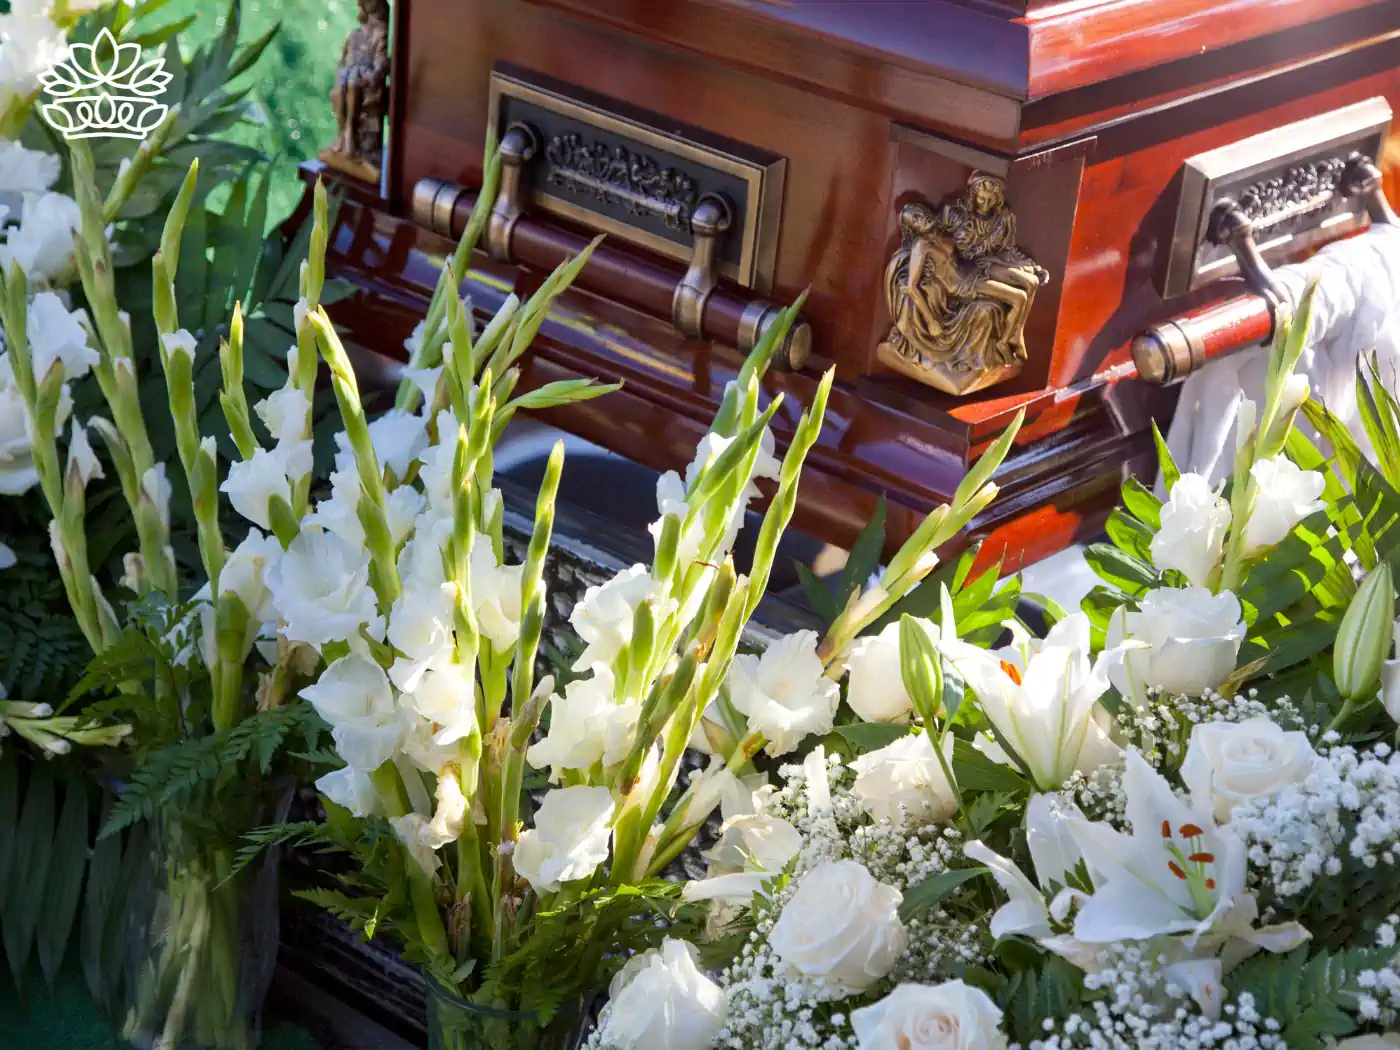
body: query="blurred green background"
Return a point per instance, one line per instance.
(291, 83)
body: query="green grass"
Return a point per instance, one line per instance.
(290, 84)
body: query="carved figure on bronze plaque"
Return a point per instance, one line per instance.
(360, 95)
(959, 291)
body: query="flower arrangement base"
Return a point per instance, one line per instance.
(454, 1024)
(203, 950)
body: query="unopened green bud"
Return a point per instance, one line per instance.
(1364, 638)
(921, 668)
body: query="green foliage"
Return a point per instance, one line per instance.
(1053, 989)
(42, 650)
(1313, 997)
(168, 778)
(929, 892)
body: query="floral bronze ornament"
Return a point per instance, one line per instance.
(360, 96)
(959, 291)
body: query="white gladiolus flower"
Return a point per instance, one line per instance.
(30, 45)
(495, 593)
(948, 1016)
(1191, 640)
(1227, 763)
(435, 471)
(1192, 536)
(7, 556)
(420, 629)
(569, 839)
(56, 336)
(42, 243)
(1286, 495)
(1390, 674)
(421, 748)
(875, 690)
(1042, 697)
(242, 574)
(251, 483)
(27, 170)
(351, 789)
(17, 471)
(179, 342)
(337, 513)
(604, 618)
(905, 777)
(155, 486)
(587, 725)
(284, 413)
(354, 697)
(444, 697)
(398, 438)
(320, 589)
(841, 925)
(420, 560)
(785, 693)
(753, 846)
(661, 1001)
(81, 457)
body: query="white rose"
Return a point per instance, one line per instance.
(55, 335)
(320, 589)
(875, 690)
(587, 725)
(1192, 640)
(352, 789)
(420, 629)
(948, 1016)
(444, 696)
(1227, 763)
(841, 925)
(569, 839)
(354, 697)
(284, 413)
(905, 776)
(661, 1001)
(1192, 535)
(604, 618)
(785, 693)
(1286, 495)
(495, 592)
(42, 244)
(27, 170)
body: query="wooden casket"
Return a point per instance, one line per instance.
(1055, 205)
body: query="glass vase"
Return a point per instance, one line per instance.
(455, 1024)
(202, 950)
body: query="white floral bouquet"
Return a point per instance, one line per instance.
(1171, 822)
(513, 832)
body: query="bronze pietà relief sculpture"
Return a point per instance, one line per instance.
(959, 291)
(360, 96)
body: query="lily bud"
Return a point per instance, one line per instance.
(921, 669)
(1364, 638)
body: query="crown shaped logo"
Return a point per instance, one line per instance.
(104, 89)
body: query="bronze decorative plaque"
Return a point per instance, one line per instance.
(613, 169)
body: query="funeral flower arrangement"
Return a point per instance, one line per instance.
(1173, 821)
(512, 830)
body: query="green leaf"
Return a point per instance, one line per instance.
(65, 879)
(1129, 535)
(9, 813)
(1142, 504)
(929, 892)
(104, 873)
(1311, 997)
(1127, 573)
(817, 595)
(864, 556)
(870, 736)
(1165, 463)
(976, 772)
(34, 848)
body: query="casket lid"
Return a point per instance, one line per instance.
(1018, 49)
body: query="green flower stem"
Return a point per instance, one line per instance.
(449, 283)
(232, 398)
(126, 181)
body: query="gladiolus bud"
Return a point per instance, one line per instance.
(1363, 640)
(921, 669)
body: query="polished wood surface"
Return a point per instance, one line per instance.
(1087, 109)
